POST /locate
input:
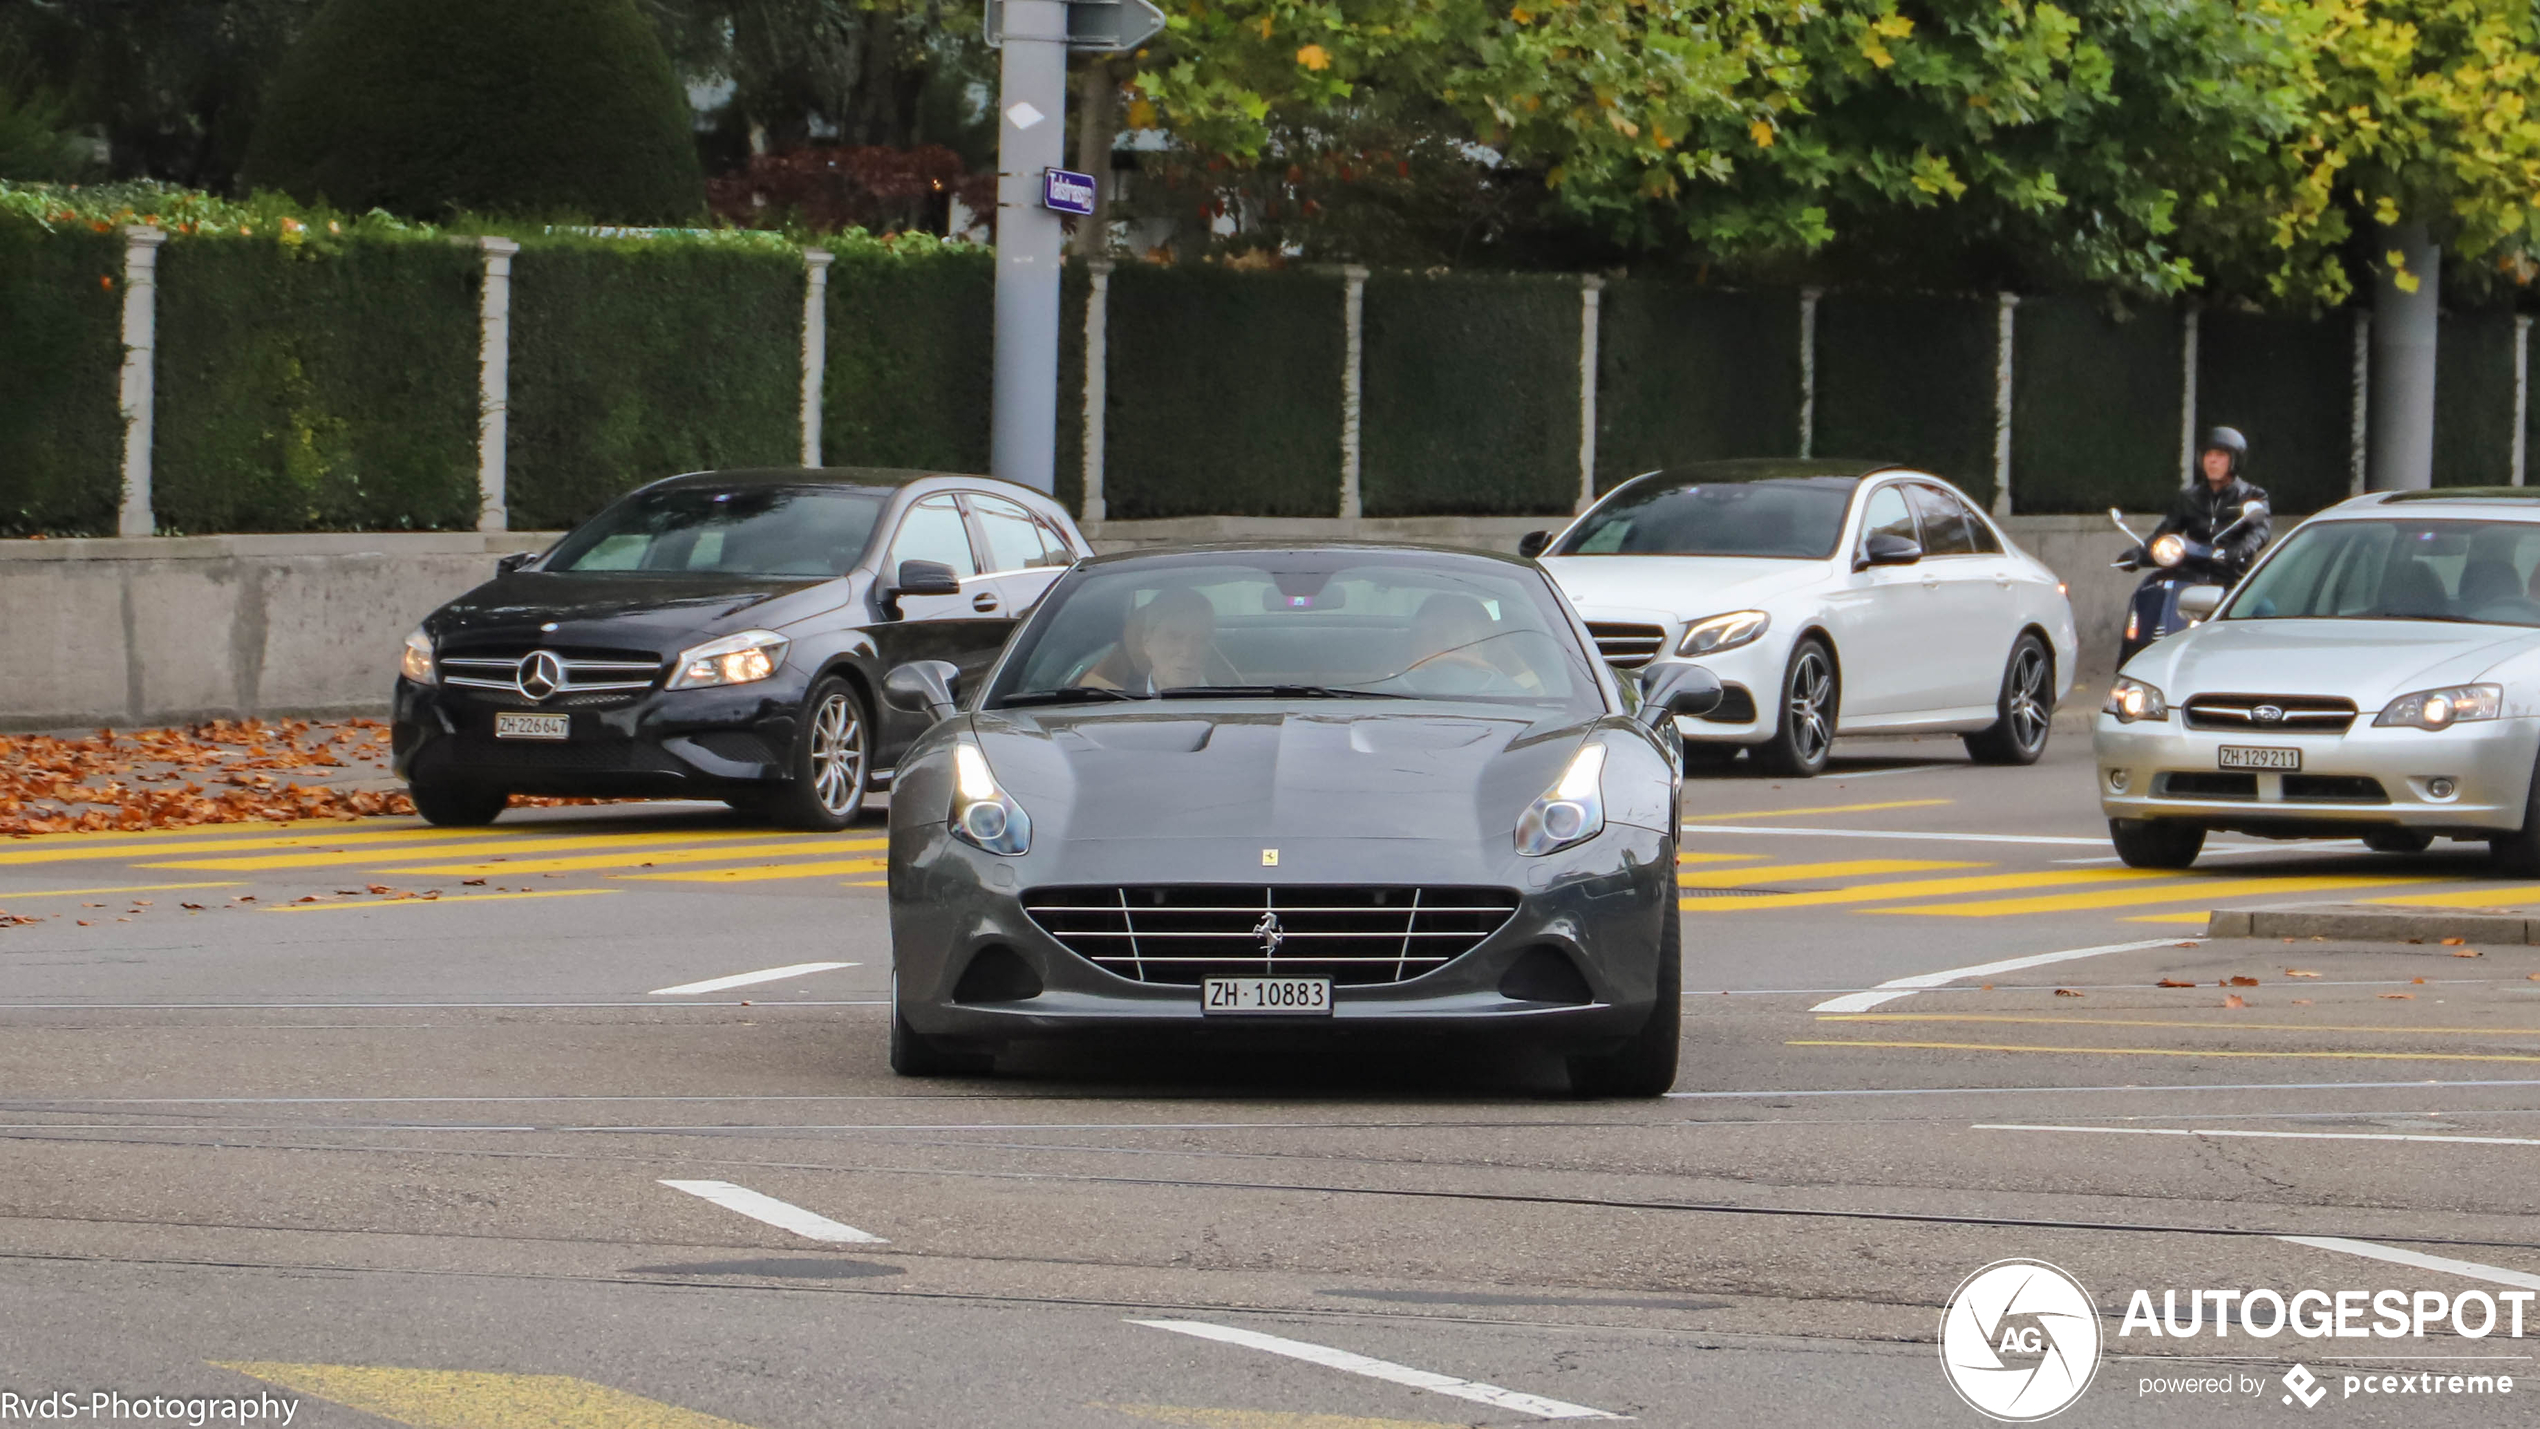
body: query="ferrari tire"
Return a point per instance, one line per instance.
(913, 1054)
(1645, 1066)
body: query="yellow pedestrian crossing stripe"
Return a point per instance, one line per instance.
(760, 873)
(1920, 888)
(638, 857)
(1795, 872)
(514, 845)
(1712, 818)
(463, 1399)
(2510, 897)
(2186, 890)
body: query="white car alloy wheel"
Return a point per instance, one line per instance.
(837, 754)
(2028, 713)
(1809, 696)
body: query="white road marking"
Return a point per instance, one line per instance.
(2144, 1088)
(1330, 1358)
(780, 1214)
(1833, 778)
(718, 984)
(2470, 1269)
(1895, 988)
(2268, 1135)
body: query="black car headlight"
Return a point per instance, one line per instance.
(984, 815)
(416, 661)
(1723, 632)
(2444, 708)
(1572, 810)
(2131, 700)
(739, 659)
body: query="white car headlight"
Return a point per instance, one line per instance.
(1723, 632)
(416, 662)
(2168, 550)
(2443, 708)
(1572, 810)
(733, 660)
(2131, 700)
(984, 815)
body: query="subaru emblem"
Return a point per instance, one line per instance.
(2268, 714)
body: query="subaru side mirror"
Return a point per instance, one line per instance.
(1674, 688)
(1886, 548)
(1533, 543)
(928, 686)
(2199, 602)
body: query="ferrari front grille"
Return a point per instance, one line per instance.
(1183, 933)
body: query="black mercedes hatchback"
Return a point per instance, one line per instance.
(720, 635)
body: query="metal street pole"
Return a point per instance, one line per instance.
(2399, 427)
(1031, 129)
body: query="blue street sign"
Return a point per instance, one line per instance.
(1065, 192)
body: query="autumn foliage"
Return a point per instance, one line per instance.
(223, 772)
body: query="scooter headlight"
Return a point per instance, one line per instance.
(2168, 550)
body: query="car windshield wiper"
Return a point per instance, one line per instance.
(1072, 695)
(1298, 692)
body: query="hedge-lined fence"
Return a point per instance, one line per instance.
(348, 384)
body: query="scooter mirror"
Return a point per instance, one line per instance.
(2251, 511)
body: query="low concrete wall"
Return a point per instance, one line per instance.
(170, 629)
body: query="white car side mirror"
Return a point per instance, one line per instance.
(2198, 602)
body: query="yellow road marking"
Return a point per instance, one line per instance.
(1711, 818)
(259, 828)
(127, 888)
(462, 1399)
(2167, 893)
(2470, 898)
(2183, 1052)
(2197, 918)
(866, 883)
(446, 898)
(532, 845)
(760, 873)
(1715, 857)
(638, 857)
(1921, 888)
(1199, 1418)
(2156, 1022)
(1853, 868)
(127, 848)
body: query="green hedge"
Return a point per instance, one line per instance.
(2474, 399)
(1909, 379)
(634, 360)
(911, 357)
(2094, 407)
(310, 389)
(1688, 373)
(2288, 384)
(1471, 403)
(1223, 393)
(61, 355)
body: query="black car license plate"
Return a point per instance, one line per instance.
(533, 726)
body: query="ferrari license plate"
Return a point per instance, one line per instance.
(2245, 756)
(533, 726)
(1309, 996)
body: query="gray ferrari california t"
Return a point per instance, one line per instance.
(1235, 790)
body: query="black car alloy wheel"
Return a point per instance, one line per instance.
(1809, 695)
(2025, 712)
(827, 783)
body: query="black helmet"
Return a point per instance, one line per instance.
(2227, 439)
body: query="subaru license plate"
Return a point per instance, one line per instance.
(1310, 996)
(533, 726)
(2246, 756)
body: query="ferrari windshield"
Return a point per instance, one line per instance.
(1299, 625)
(1794, 518)
(805, 532)
(2473, 572)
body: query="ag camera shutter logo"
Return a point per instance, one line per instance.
(2020, 1341)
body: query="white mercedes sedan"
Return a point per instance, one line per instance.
(2377, 676)
(1830, 598)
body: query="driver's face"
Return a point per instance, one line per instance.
(1176, 650)
(2217, 467)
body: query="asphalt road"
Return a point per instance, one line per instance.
(398, 1158)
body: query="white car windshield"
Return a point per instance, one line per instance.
(2474, 572)
(1791, 518)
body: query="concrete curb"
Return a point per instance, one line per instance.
(2393, 923)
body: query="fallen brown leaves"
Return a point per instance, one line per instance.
(2174, 982)
(2233, 1002)
(221, 772)
(2241, 982)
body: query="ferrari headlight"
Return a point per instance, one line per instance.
(1723, 632)
(2441, 709)
(1572, 810)
(2168, 550)
(983, 814)
(739, 659)
(2131, 700)
(416, 662)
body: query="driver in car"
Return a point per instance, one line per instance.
(1166, 644)
(1462, 657)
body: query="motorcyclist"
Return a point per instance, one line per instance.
(2214, 499)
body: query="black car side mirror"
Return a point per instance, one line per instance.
(1532, 544)
(1675, 688)
(927, 685)
(916, 578)
(513, 562)
(1886, 548)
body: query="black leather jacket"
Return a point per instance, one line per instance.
(2200, 511)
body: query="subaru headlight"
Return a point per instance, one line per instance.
(739, 659)
(2131, 700)
(983, 814)
(1572, 810)
(1723, 632)
(2168, 550)
(2443, 708)
(416, 662)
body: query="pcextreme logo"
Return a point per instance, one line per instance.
(2019, 1341)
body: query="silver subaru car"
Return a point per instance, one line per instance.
(2377, 676)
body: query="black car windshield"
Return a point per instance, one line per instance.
(1299, 625)
(801, 532)
(1794, 518)
(2475, 572)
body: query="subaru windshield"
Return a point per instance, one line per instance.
(2469, 572)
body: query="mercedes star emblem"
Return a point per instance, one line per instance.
(541, 674)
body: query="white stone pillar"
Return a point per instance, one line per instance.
(815, 346)
(1353, 381)
(1808, 370)
(1097, 386)
(1591, 297)
(2005, 305)
(494, 383)
(140, 375)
